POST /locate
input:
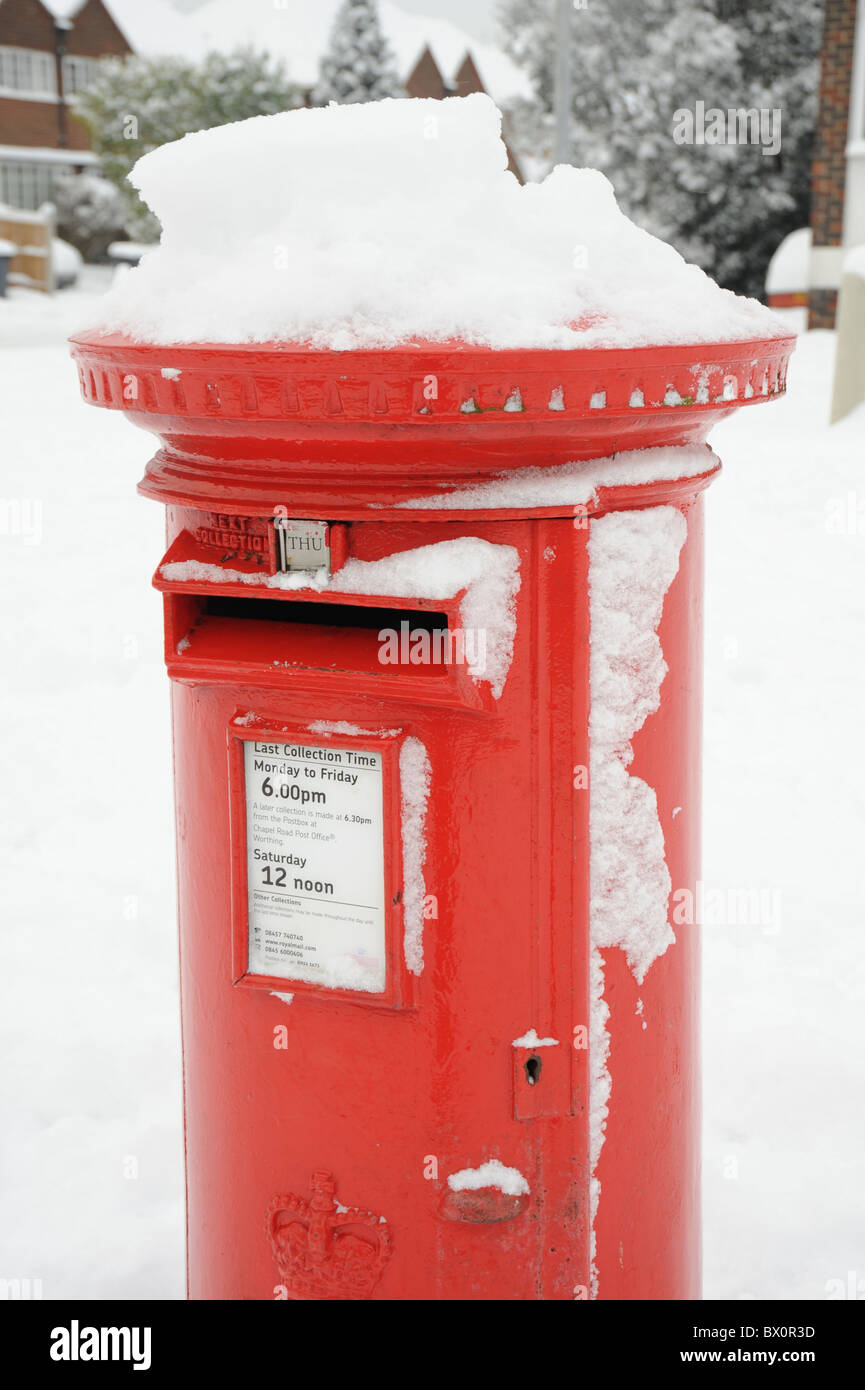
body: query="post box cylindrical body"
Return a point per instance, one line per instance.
(437, 764)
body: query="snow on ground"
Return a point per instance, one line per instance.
(784, 1035)
(90, 1159)
(88, 1010)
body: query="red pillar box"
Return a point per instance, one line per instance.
(435, 660)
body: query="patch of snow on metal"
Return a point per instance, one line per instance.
(493, 1173)
(531, 1039)
(633, 559)
(329, 727)
(577, 483)
(415, 776)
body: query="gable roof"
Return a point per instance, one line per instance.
(150, 27)
(425, 78)
(299, 30)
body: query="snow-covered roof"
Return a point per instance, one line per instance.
(151, 27)
(298, 31)
(47, 154)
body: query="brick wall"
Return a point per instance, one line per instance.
(830, 164)
(822, 308)
(468, 79)
(94, 33)
(26, 24)
(426, 80)
(28, 122)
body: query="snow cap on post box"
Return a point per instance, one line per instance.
(377, 225)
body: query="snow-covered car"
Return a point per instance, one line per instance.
(67, 263)
(7, 251)
(128, 252)
(787, 278)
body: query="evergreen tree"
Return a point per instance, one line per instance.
(634, 65)
(135, 104)
(358, 65)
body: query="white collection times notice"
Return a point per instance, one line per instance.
(315, 864)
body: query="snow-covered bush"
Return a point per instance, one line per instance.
(91, 212)
(359, 64)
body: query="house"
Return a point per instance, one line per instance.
(47, 54)
(49, 50)
(426, 80)
(838, 183)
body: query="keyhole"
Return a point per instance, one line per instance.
(533, 1070)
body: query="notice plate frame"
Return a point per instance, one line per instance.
(262, 728)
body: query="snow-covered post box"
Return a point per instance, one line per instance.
(432, 622)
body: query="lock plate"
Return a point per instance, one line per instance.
(541, 1081)
(302, 545)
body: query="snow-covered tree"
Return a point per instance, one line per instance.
(135, 104)
(359, 64)
(635, 63)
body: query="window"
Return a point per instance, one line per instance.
(25, 70)
(27, 185)
(78, 73)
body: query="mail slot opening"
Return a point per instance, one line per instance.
(334, 615)
(320, 636)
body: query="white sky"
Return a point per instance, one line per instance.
(477, 16)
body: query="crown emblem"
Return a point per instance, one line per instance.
(325, 1250)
